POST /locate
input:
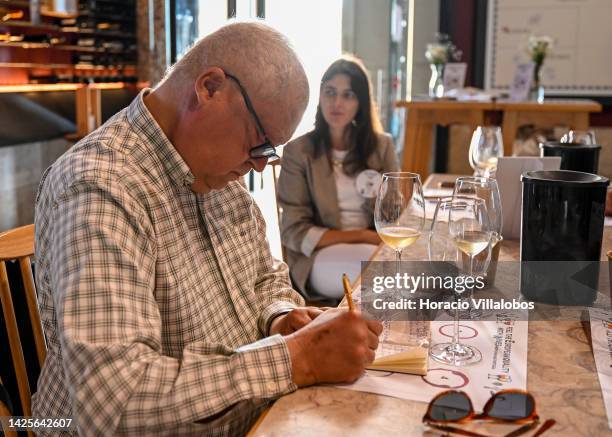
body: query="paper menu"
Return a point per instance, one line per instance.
(601, 337)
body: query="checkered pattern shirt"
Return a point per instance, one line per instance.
(155, 300)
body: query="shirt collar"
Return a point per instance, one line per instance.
(141, 120)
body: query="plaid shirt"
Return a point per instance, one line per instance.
(155, 300)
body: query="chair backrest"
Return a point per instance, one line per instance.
(18, 245)
(276, 167)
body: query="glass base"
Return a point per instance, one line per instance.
(469, 314)
(455, 354)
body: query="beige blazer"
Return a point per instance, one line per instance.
(308, 196)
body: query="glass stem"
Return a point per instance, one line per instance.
(455, 343)
(398, 261)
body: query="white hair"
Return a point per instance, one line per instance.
(259, 56)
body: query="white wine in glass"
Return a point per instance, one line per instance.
(473, 242)
(486, 147)
(399, 214)
(464, 221)
(398, 237)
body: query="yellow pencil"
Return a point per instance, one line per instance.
(348, 293)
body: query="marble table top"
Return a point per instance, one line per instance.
(561, 376)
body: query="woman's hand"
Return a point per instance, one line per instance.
(357, 236)
(370, 237)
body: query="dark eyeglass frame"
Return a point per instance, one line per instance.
(533, 418)
(266, 149)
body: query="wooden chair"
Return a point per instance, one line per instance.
(18, 245)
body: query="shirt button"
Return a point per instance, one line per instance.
(271, 386)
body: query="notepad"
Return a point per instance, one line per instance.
(403, 347)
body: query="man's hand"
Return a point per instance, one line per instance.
(294, 320)
(334, 347)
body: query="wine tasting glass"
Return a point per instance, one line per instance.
(579, 137)
(399, 214)
(485, 147)
(486, 189)
(463, 222)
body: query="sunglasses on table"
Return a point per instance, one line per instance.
(505, 406)
(266, 149)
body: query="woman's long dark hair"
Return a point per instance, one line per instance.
(362, 135)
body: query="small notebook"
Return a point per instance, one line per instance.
(403, 347)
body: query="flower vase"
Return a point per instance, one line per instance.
(536, 92)
(436, 83)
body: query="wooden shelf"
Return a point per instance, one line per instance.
(32, 88)
(72, 48)
(15, 3)
(40, 50)
(111, 17)
(64, 66)
(30, 25)
(116, 2)
(103, 33)
(51, 28)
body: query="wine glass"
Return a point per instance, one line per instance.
(460, 226)
(399, 214)
(579, 137)
(486, 189)
(485, 147)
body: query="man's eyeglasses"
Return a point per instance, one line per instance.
(265, 150)
(505, 406)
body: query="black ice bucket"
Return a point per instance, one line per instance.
(574, 156)
(561, 235)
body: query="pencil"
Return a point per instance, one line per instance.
(348, 294)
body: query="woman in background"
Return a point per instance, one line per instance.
(329, 181)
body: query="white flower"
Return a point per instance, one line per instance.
(539, 46)
(437, 53)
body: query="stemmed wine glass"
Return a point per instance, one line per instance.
(460, 226)
(485, 147)
(486, 189)
(399, 214)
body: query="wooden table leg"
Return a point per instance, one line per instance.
(509, 128)
(88, 110)
(410, 140)
(423, 150)
(82, 111)
(581, 121)
(95, 102)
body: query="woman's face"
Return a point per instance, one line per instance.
(339, 104)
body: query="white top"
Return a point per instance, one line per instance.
(350, 202)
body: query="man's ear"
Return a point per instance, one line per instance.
(209, 83)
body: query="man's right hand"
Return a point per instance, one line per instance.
(334, 347)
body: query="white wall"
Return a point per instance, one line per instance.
(365, 33)
(423, 23)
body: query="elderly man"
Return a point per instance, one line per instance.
(163, 308)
